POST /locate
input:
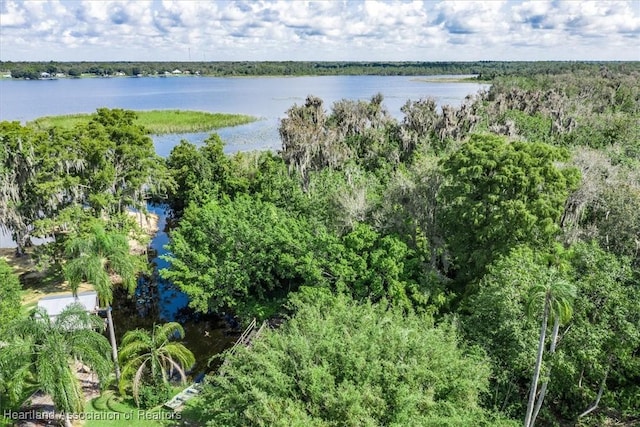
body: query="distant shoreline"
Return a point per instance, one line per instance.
(485, 70)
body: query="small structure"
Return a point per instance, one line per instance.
(56, 303)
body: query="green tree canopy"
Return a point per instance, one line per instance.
(338, 362)
(120, 161)
(594, 349)
(199, 173)
(228, 253)
(499, 194)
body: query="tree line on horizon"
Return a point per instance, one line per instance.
(484, 70)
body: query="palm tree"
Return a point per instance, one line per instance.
(96, 257)
(41, 354)
(556, 296)
(154, 354)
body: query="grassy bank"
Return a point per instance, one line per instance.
(111, 411)
(158, 122)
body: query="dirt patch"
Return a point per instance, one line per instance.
(149, 224)
(21, 264)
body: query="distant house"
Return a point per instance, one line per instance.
(176, 71)
(56, 303)
(45, 75)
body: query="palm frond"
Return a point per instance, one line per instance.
(136, 383)
(168, 332)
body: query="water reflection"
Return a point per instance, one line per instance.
(158, 301)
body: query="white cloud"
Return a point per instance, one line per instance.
(12, 15)
(318, 30)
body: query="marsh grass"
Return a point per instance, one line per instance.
(157, 122)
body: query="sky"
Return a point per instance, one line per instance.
(328, 30)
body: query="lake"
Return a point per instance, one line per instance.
(265, 97)
(157, 300)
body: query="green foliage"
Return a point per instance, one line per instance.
(149, 359)
(496, 320)
(264, 176)
(342, 199)
(248, 254)
(95, 256)
(604, 130)
(10, 295)
(152, 395)
(533, 127)
(121, 161)
(498, 194)
(200, 173)
(40, 353)
(368, 265)
(487, 70)
(338, 362)
(107, 163)
(601, 337)
(223, 252)
(604, 335)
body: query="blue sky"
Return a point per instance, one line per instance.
(182, 30)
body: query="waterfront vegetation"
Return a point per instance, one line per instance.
(156, 122)
(471, 265)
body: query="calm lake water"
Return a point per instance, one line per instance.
(267, 98)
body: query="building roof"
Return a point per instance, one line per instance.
(56, 303)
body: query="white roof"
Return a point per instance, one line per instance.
(55, 304)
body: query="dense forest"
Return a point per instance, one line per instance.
(484, 70)
(462, 266)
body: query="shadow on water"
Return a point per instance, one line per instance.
(158, 301)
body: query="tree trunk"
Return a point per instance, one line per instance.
(543, 389)
(536, 370)
(21, 243)
(595, 404)
(114, 346)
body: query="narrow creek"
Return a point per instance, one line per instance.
(158, 301)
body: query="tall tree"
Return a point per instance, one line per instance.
(120, 161)
(225, 254)
(41, 354)
(308, 142)
(18, 207)
(153, 355)
(95, 256)
(498, 194)
(556, 296)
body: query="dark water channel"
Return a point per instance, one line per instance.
(158, 301)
